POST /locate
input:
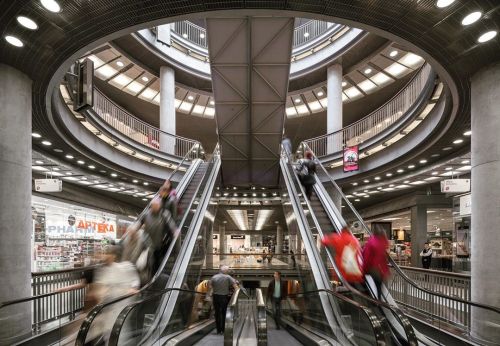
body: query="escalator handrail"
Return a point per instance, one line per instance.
(231, 316)
(391, 261)
(402, 319)
(261, 319)
(85, 327)
(372, 317)
(122, 317)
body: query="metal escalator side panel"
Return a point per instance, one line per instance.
(319, 271)
(179, 270)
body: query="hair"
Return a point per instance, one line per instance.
(113, 250)
(167, 183)
(279, 273)
(309, 155)
(379, 231)
(224, 269)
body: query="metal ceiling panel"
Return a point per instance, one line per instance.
(250, 63)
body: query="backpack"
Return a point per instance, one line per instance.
(303, 169)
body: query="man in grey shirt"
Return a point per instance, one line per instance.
(219, 288)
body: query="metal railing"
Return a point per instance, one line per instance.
(140, 131)
(260, 319)
(302, 34)
(449, 284)
(374, 123)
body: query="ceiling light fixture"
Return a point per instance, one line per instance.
(297, 100)
(145, 79)
(47, 143)
(51, 5)
(447, 148)
(444, 3)
(146, 183)
(27, 23)
(36, 135)
(354, 184)
(411, 166)
(400, 170)
(368, 71)
(487, 36)
(190, 98)
(423, 161)
(114, 175)
(135, 181)
(377, 178)
(471, 18)
(467, 133)
(120, 63)
(388, 175)
(458, 141)
(320, 93)
(91, 166)
(14, 41)
(366, 181)
(71, 157)
(80, 162)
(344, 84)
(212, 103)
(393, 53)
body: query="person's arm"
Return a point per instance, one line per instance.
(429, 253)
(209, 290)
(422, 253)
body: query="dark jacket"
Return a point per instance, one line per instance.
(309, 178)
(270, 289)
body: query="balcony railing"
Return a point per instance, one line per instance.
(374, 123)
(302, 34)
(140, 131)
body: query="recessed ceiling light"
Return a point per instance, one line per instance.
(435, 173)
(146, 183)
(464, 162)
(51, 5)
(487, 36)
(467, 133)
(448, 168)
(39, 162)
(145, 79)
(144, 199)
(388, 175)
(46, 143)
(393, 53)
(366, 181)
(190, 98)
(458, 141)
(435, 155)
(114, 175)
(377, 178)
(392, 185)
(202, 35)
(71, 157)
(36, 135)
(14, 41)
(344, 84)
(80, 162)
(357, 200)
(320, 93)
(27, 23)
(306, 34)
(447, 148)
(135, 181)
(471, 18)
(58, 150)
(411, 166)
(400, 170)
(120, 63)
(444, 3)
(423, 161)
(354, 184)
(368, 71)
(212, 103)
(297, 100)
(91, 166)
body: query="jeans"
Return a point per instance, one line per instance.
(277, 311)
(220, 307)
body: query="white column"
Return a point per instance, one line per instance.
(334, 110)
(485, 216)
(15, 201)
(279, 239)
(167, 109)
(222, 241)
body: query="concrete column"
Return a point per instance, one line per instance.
(222, 240)
(334, 110)
(15, 201)
(210, 247)
(167, 109)
(485, 216)
(418, 233)
(279, 239)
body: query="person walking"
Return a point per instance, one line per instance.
(276, 292)
(219, 289)
(286, 143)
(347, 256)
(375, 258)
(307, 171)
(292, 257)
(426, 255)
(169, 199)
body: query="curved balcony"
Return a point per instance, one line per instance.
(378, 123)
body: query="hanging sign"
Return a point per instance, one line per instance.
(455, 185)
(234, 236)
(465, 205)
(351, 159)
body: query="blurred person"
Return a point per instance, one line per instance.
(306, 170)
(170, 200)
(136, 252)
(375, 255)
(347, 256)
(219, 289)
(426, 255)
(159, 228)
(286, 143)
(276, 292)
(292, 257)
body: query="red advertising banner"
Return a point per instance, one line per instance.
(351, 159)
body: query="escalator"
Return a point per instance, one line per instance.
(194, 192)
(325, 205)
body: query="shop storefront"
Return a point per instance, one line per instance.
(67, 236)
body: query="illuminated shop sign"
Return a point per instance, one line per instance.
(351, 159)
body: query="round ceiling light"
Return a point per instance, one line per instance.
(458, 141)
(51, 5)
(297, 100)
(27, 23)
(471, 18)
(212, 103)
(423, 161)
(487, 36)
(368, 71)
(14, 41)
(119, 63)
(47, 143)
(190, 98)
(467, 133)
(70, 157)
(444, 3)
(114, 175)
(80, 162)
(393, 53)
(320, 93)
(145, 79)
(91, 166)
(344, 84)
(36, 135)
